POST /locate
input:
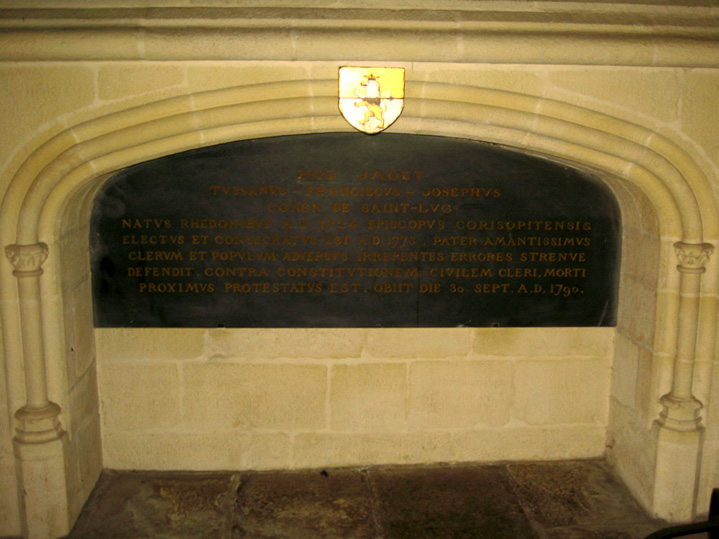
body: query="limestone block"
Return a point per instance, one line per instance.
(418, 343)
(173, 450)
(431, 446)
(201, 77)
(72, 475)
(140, 118)
(243, 113)
(710, 414)
(675, 474)
(369, 396)
(223, 396)
(653, 94)
(137, 396)
(15, 152)
(310, 343)
(44, 482)
(76, 219)
(68, 43)
(626, 194)
(709, 474)
(141, 344)
(9, 510)
(646, 212)
(265, 125)
(316, 450)
(631, 451)
(642, 262)
(119, 79)
(451, 110)
(84, 463)
(669, 278)
(297, 94)
(75, 255)
(79, 338)
(189, 43)
(529, 443)
(459, 394)
(503, 77)
(84, 397)
(698, 114)
(31, 96)
(701, 387)
(544, 342)
(624, 371)
(328, 72)
(647, 394)
(666, 319)
(561, 392)
(88, 439)
(162, 141)
(356, 44)
(267, 451)
(636, 310)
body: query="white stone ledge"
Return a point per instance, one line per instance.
(556, 33)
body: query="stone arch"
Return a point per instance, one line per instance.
(53, 190)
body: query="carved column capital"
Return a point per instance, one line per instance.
(27, 259)
(693, 256)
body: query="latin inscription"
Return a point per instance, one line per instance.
(420, 231)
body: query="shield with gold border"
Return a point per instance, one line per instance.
(371, 98)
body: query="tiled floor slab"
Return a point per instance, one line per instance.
(157, 505)
(578, 499)
(457, 501)
(558, 500)
(304, 506)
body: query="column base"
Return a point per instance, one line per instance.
(38, 425)
(676, 471)
(680, 414)
(40, 446)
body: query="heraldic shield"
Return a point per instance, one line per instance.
(371, 98)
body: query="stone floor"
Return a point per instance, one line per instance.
(556, 500)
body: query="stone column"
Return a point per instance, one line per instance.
(678, 429)
(40, 442)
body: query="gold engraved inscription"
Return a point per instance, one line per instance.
(392, 238)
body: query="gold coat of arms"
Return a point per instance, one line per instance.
(371, 98)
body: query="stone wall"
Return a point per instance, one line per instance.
(85, 100)
(303, 398)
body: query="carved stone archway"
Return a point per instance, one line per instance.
(52, 194)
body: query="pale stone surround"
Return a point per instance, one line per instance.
(641, 394)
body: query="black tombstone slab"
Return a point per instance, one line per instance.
(346, 230)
